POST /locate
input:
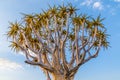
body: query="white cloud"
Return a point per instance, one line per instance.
(9, 65)
(93, 3)
(87, 2)
(97, 5)
(117, 0)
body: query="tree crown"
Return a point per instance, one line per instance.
(59, 31)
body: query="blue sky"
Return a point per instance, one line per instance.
(105, 67)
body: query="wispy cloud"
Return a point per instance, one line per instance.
(9, 65)
(87, 2)
(92, 3)
(98, 5)
(117, 0)
(113, 11)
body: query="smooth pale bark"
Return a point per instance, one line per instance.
(61, 77)
(58, 43)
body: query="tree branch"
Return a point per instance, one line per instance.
(50, 69)
(73, 56)
(39, 38)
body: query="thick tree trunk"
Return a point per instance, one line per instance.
(61, 77)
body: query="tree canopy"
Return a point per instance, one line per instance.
(59, 40)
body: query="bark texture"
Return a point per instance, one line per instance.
(58, 40)
(61, 77)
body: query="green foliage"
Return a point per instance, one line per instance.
(15, 46)
(53, 22)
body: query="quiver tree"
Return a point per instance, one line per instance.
(58, 40)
